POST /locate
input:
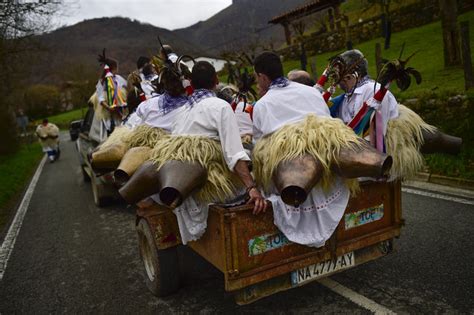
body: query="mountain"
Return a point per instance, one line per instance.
(242, 23)
(124, 40)
(71, 49)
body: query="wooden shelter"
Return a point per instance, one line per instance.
(287, 18)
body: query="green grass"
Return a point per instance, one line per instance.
(428, 41)
(461, 166)
(16, 170)
(62, 120)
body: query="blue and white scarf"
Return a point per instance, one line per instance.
(168, 103)
(279, 82)
(199, 95)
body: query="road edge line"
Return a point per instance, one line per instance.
(14, 230)
(355, 297)
(421, 192)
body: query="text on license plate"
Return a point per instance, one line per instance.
(321, 269)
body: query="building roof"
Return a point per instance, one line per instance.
(312, 7)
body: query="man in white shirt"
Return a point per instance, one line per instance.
(211, 117)
(160, 111)
(286, 103)
(111, 113)
(282, 101)
(359, 88)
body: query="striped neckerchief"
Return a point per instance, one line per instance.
(279, 82)
(199, 95)
(168, 103)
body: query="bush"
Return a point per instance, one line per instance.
(42, 100)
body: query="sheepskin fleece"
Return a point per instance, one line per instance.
(403, 141)
(221, 183)
(321, 137)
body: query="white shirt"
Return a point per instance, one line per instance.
(351, 105)
(150, 113)
(281, 106)
(213, 118)
(314, 221)
(133, 121)
(243, 120)
(101, 93)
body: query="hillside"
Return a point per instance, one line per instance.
(76, 47)
(124, 39)
(238, 24)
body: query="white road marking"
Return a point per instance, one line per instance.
(355, 297)
(10, 238)
(438, 196)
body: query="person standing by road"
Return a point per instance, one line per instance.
(48, 134)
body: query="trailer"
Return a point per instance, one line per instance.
(256, 259)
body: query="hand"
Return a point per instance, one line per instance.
(260, 204)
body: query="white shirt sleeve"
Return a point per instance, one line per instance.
(229, 137)
(121, 82)
(140, 110)
(257, 121)
(99, 88)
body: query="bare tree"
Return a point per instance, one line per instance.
(452, 49)
(19, 21)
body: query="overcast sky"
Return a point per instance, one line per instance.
(170, 14)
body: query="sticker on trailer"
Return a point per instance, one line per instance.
(264, 243)
(362, 217)
(324, 268)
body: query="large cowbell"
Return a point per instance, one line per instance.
(295, 178)
(362, 161)
(130, 163)
(175, 181)
(108, 158)
(438, 142)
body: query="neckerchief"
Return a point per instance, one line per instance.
(168, 103)
(279, 82)
(199, 95)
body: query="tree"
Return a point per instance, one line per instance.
(385, 17)
(19, 22)
(41, 100)
(452, 49)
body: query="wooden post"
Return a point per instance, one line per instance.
(466, 55)
(331, 19)
(378, 57)
(314, 74)
(449, 14)
(286, 26)
(337, 16)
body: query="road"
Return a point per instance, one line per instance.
(71, 256)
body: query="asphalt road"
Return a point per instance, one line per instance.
(72, 257)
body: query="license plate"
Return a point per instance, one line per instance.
(322, 269)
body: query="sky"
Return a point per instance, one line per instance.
(170, 14)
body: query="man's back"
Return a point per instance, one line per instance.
(283, 105)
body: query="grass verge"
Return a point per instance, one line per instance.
(16, 170)
(62, 120)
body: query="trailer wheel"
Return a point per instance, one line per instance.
(101, 197)
(162, 275)
(85, 176)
